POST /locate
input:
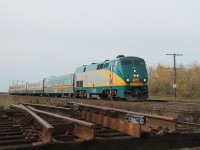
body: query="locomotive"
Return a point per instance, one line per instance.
(123, 78)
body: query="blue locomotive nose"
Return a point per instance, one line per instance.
(135, 75)
(134, 70)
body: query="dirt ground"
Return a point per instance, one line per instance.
(177, 142)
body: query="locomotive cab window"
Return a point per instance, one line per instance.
(127, 62)
(139, 62)
(84, 69)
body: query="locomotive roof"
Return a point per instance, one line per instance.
(95, 64)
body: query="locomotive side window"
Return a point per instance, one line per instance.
(115, 63)
(79, 83)
(127, 62)
(84, 69)
(106, 65)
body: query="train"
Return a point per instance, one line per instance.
(122, 78)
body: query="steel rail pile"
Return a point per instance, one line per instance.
(153, 124)
(40, 125)
(115, 119)
(29, 129)
(82, 129)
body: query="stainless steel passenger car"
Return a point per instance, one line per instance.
(20, 88)
(59, 86)
(11, 89)
(35, 87)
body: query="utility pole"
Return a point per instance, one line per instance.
(14, 81)
(174, 68)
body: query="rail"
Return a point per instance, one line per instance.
(82, 129)
(153, 122)
(47, 128)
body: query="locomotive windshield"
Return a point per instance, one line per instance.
(127, 62)
(130, 62)
(139, 63)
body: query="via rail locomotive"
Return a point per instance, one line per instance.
(122, 78)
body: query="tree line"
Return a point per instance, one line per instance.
(161, 81)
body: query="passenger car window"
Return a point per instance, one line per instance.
(84, 69)
(100, 66)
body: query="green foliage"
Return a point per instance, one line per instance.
(161, 80)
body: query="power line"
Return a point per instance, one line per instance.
(174, 68)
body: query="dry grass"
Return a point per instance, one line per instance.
(7, 99)
(143, 107)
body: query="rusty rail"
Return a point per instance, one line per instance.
(27, 129)
(106, 124)
(115, 119)
(44, 107)
(120, 125)
(77, 123)
(82, 129)
(14, 135)
(47, 128)
(112, 123)
(153, 124)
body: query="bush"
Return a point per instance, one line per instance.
(161, 80)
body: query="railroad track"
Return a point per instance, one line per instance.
(30, 126)
(150, 101)
(13, 135)
(22, 128)
(185, 127)
(182, 111)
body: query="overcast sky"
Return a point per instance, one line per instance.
(41, 38)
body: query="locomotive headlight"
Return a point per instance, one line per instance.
(134, 75)
(128, 80)
(145, 80)
(137, 75)
(134, 70)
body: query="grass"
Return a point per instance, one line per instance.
(5, 100)
(171, 98)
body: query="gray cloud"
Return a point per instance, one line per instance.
(40, 38)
